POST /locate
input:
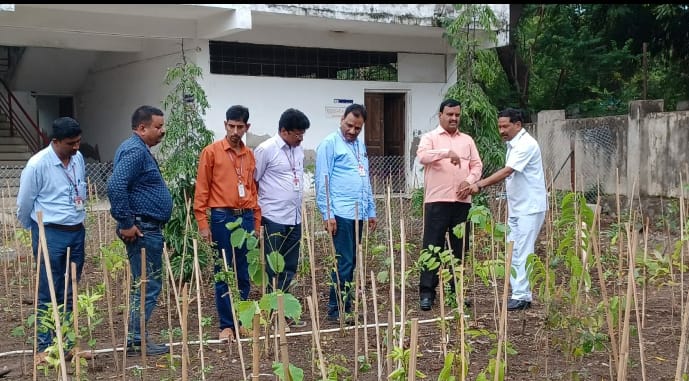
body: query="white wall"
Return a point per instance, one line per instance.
(117, 85)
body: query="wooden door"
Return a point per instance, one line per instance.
(374, 130)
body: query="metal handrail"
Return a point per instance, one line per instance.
(33, 136)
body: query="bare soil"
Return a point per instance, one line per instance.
(542, 348)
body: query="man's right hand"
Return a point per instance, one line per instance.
(454, 158)
(130, 235)
(330, 226)
(206, 234)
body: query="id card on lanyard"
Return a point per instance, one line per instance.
(74, 184)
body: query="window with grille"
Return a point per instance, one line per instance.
(294, 62)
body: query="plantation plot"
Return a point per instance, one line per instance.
(609, 300)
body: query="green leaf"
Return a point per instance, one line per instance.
(276, 261)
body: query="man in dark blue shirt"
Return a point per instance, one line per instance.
(141, 203)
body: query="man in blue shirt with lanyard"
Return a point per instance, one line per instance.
(54, 182)
(141, 204)
(342, 182)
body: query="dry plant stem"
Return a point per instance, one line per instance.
(362, 284)
(262, 259)
(503, 309)
(171, 278)
(340, 304)
(39, 254)
(66, 281)
(605, 300)
(443, 324)
(388, 342)
(75, 319)
(108, 299)
(642, 356)
(316, 334)
(187, 223)
(234, 314)
(620, 240)
(128, 280)
(53, 299)
(377, 329)
(276, 329)
(284, 352)
(391, 245)
(413, 339)
(681, 356)
(357, 282)
(185, 332)
(255, 346)
(643, 288)
(312, 262)
(403, 254)
(168, 302)
(142, 310)
(624, 339)
(681, 233)
(197, 273)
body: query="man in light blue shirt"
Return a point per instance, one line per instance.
(343, 185)
(54, 182)
(280, 176)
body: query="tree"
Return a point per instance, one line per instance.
(185, 137)
(477, 71)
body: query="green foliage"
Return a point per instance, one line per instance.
(479, 114)
(403, 356)
(185, 137)
(115, 256)
(297, 374)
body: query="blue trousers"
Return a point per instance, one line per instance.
(57, 241)
(285, 239)
(345, 251)
(152, 241)
(221, 237)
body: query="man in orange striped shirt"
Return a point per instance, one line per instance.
(225, 185)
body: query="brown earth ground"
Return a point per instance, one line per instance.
(539, 340)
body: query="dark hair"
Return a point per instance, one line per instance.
(512, 113)
(237, 112)
(65, 127)
(449, 103)
(357, 110)
(293, 119)
(144, 114)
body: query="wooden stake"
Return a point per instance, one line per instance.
(142, 310)
(53, 299)
(108, 299)
(389, 342)
(284, 355)
(185, 332)
(502, 331)
(391, 245)
(197, 273)
(75, 318)
(375, 314)
(317, 337)
(413, 337)
(255, 347)
(39, 254)
(127, 312)
(66, 281)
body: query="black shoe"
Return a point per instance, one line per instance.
(426, 303)
(152, 349)
(516, 304)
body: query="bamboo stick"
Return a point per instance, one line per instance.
(340, 304)
(75, 319)
(377, 326)
(403, 261)
(39, 255)
(317, 337)
(142, 311)
(357, 281)
(502, 331)
(197, 273)
(624, 339)
(255, 345)
(53, 299)
(66, 281)
(185, 332)
(284, 354)
(389, 342)
(362, 287)
(413, 337)
(237, 323)
(127, 312)
(391, 245)
(108, 299)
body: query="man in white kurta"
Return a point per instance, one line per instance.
(526, 199)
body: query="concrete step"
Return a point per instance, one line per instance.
(15, 156)
(14, 148)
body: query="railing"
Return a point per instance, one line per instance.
(21, 124)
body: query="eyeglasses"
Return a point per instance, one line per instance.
(299, 134)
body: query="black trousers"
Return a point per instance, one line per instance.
(441, 218)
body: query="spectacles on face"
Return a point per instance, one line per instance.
(299, 134)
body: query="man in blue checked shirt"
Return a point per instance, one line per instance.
(141, 203)
(342, 179)
(54, 182)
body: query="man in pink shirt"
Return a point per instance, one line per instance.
(451, 162)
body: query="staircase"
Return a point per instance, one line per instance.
(13, 156)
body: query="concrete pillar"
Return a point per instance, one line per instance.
(639, 173)
(554, 142)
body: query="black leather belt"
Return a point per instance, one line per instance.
(233, 211)
(67, 228)
(149, 220)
